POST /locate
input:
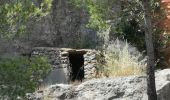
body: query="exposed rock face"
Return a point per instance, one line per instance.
(64, 27)
(126, 88)
(122, 88)
(163, 84)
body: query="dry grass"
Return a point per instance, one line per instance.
(125, 72)
(122, 60)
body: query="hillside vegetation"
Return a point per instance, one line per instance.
(130, 36)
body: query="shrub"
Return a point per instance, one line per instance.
(21, 75)
(121, 59)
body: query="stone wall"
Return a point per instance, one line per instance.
(90, 62)
(59, 62)
(59, 59)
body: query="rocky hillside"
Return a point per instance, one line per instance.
(122, 88)
(64, 27)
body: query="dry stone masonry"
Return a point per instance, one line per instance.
(90, 64)
(68, 64)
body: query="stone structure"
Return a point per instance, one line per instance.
(68, 64)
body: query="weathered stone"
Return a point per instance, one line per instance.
(121, 88)
(59, 59)
(64, 53)
(163, 84)
(64, 65)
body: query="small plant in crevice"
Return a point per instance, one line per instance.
(121, 59)
(21, 75)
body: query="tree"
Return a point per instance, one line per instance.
(97, 13)
(14, 15)
(151, 89)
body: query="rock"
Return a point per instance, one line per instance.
(163, 84)
(125, 88)
(121, 88)
(64, 53)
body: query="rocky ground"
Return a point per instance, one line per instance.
(121, 88)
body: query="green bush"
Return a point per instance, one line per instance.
(21, 75)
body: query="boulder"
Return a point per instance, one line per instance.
(163, 84)
(120, 88)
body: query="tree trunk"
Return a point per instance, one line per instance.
(151, 89)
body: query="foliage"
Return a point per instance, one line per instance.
(130, 30)
(21, 75)
(97, 10)
(126, 24)
(131, 25)
(121, 59)
(14, 15)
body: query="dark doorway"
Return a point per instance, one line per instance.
(77, 66)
